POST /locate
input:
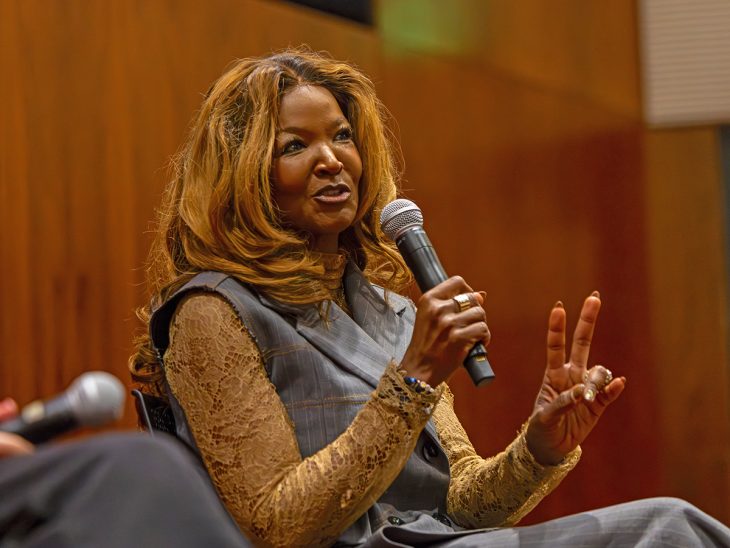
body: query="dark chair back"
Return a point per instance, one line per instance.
(155, 415)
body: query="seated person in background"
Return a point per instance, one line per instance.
(118, 490)
(314, 393)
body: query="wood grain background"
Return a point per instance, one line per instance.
(523, 140)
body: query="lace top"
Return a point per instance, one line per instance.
(249, 446)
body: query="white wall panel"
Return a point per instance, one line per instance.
(685, 61)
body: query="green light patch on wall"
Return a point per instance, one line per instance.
(446, 27)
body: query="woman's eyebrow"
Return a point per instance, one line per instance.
(334, 124)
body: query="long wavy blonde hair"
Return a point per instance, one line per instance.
(218, 212)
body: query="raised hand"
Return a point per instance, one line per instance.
(572, 397)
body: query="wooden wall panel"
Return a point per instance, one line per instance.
(689, 323)
(99, 96)
(524, 195)
(524, 149)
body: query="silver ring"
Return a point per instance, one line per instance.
(594, 372)
(463, 301)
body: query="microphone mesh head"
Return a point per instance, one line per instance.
(96, 398)
(398, 216)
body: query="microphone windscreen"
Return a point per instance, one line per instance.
(399, 215)
(96, 398)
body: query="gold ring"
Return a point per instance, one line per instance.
(463, 301)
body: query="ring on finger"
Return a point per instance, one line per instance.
(599, 376)
(463, 301)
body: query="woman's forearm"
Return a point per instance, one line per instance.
(497, 491)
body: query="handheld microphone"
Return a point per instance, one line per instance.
(93, 399)
(402, 221)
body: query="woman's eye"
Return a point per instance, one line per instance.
(292, 146)
(345, 134)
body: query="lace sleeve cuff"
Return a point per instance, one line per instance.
(530, 468)
(538, 480)
(393, 393)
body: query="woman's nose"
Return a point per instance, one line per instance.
(327, 162)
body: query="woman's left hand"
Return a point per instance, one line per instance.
(572, 397)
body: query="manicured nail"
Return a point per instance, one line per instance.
(596, 294)
(559, 304)
(483, 294)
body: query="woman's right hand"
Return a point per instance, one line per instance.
(443, 335)
(10, 444)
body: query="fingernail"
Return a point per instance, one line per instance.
(589, 395)
(483, 294)
(559, 304)
(596, 294)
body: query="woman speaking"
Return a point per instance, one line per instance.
(314, 393)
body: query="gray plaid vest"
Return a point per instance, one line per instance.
(324, 372)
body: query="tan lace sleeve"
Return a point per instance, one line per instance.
(498, 491)
(247, 440)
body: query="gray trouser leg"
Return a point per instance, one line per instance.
(113, 491)
(657, 522)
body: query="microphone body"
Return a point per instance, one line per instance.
(94, 398)
(40, 421)
(421, 258)
(403, 222)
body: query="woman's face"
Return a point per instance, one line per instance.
(317, 167)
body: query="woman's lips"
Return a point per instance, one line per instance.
(333, 194)
(333, 198)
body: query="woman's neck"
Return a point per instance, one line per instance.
(334, 267)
